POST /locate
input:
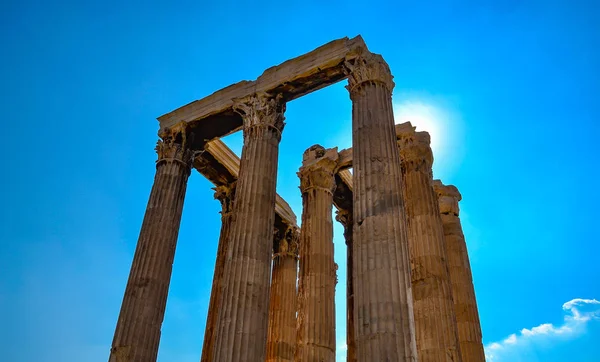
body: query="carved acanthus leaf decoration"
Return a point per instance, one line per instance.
(415, 151)
(293, 237)
(283, 246)
(288, 245)
(225, 194)
(318, 169)
(261, 109)
(173, 145)
(317, 178)
(368, 67)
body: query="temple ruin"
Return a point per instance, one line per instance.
(410, 294)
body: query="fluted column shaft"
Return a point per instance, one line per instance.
(281, 338)
(243, 314)
(316, 294)
(345, 217)
(463, 291)
(383, 315)
(137, 334)
(435, 321)
(225, 194)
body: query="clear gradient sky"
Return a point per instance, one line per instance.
(508, 89)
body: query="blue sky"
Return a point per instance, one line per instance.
(509, 91)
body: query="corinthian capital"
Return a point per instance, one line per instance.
(288, 244)
(261, 110)
(318, 169)
(174, 145)
(371, 68)
(415, 150)
(225, 194)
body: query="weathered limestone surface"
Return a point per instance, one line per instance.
(225, 194)
(242, 322)
(137, 334)
(345, 218)
(465, 303)
(316, 286)
(281, 339)
(435, 322)
(383, 316)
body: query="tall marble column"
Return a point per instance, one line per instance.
(435, 321)
(465, 303)
(281, 339)
(345, 218)
(225, 194)
(137, 334)
(383, 307)
(316, 285)
(241, 331)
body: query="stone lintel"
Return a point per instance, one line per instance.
(292, 78)
(342, 196)
(222, 166)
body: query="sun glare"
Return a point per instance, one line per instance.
(433, 115)
(426, 118)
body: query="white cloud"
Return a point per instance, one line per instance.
(578, 313)
(512, 339)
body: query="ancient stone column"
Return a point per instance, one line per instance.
(435, 322)
(137, 333)
(465, 304)
(383, 308)
(281, 339)
(345, 218)
(316, 285)
(225, 194)
(243, 314)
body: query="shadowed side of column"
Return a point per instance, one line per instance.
(281, 339)
(225, 194)
(345, 218)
